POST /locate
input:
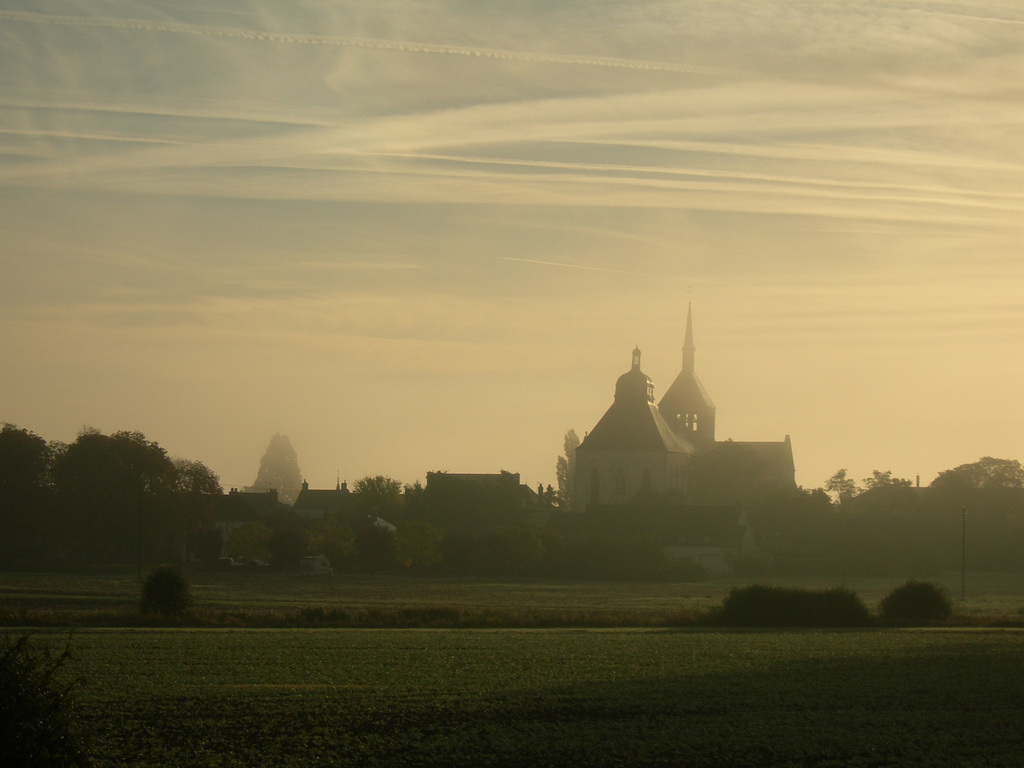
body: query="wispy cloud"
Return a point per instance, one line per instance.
(402, 46)
(269, 190)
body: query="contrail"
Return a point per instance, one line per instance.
(146, 25)
(966, 16)
(579, 266)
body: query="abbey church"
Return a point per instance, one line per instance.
(640, 446)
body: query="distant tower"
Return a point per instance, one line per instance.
(686, 406)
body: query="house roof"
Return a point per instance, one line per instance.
(314, 500)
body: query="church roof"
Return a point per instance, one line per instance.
(632, 426)
(633, 422)
(776, 457)
(685, 393)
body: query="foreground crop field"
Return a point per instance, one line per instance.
(309, 697)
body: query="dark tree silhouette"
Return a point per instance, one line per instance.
(166, 592)
(26, 492)
(115, 492)
(378, 495)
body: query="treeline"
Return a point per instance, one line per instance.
(888, 526)
(102, 499)
(453, 527)
(120, 499)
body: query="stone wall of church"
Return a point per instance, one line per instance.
(615, 477)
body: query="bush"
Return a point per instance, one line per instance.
(917, 602)
(764, 606)
(166, 592)
(38, 726)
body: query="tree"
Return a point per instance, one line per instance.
(196, 488)
(194, 477)
(546, 497)
(841, 486)
(379, 495)
(992, 493)
(418, 545)
(334, 540)
(375, 546)
(565, 470)
(38, 722)
(206, 543)
(884, 480)
(985, 474)
(115, 493)
(917, 602)
(279, 470)
(250, 541)
(166, 592)
(287, 545)
(26, 491)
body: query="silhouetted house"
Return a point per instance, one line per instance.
(317, 504)
(477, 501)
(639, 447)
(236, 508)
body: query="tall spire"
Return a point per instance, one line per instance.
(688, 347)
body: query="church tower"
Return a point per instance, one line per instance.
(686, 406)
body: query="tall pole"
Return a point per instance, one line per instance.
(963, 552)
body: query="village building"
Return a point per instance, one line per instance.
(642, 447)
(316, 503)
(635, 461)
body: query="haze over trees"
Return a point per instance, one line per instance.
(121, 499)
(279, 470)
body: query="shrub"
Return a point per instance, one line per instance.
(916, 602)
(765, 606)
(38, 726)
(166, 592)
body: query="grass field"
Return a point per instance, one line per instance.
(631, 695)
(307, 697)
(990, 597)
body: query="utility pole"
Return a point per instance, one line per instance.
(963, 552)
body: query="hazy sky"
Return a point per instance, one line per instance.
(421, 236)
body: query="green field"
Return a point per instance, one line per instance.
(629, 695)
(305, 697)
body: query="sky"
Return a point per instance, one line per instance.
(423, 236)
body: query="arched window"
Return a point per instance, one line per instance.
(595, 486)
(620, 483)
